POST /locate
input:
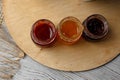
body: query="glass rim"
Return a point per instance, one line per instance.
(79, 29)
(46, 42)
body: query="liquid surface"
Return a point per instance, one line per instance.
(43, 32)
(95, 26)
(69, 29)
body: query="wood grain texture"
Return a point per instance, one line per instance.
(82, 56)
(10, 54)
(31, 70)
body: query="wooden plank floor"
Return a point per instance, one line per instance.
(31, 70)
(10, 54)
(28, 69)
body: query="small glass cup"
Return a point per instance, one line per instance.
(43, 32)
(70, 30)
(95, 27)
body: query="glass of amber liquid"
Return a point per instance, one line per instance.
(70, 30)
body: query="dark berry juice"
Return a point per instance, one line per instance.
(43, 32)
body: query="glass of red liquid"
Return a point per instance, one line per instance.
(43, 32)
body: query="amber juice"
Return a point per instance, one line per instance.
(70, 30)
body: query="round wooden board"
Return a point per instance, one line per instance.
(21, 14)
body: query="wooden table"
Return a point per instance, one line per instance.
(28, 69)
